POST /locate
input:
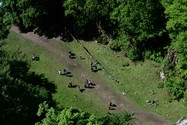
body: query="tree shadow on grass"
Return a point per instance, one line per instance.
(20, 70)
(40, 80)
(26, 90)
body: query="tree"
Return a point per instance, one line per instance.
(87, 10)
(177, 66)
(24, 13)
(177, 18)
(21, 91)
(166, 3)
(139, 24)
(5, 21)
(66, 116)
(122, 118)
(89, 14)
(138, 21)
(70, 116)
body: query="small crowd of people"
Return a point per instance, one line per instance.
(93, 67)
(88, 84)
(71, 55)
(112, 106)
(65, 72)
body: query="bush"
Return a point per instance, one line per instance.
(147, 54)
(133, 55)
(114, 45)
(103, 39)
(155, 56)
(122, 118)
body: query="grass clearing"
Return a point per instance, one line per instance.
(138, 80)
(48, 65)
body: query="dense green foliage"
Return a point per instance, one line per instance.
(107, 19)
(70, 116)
(21, 91)
(5, 22)
(90, 18)
(139, 20)
(24, 12)
(177, 59)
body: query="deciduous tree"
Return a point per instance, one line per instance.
(21, 91)
(138, 21)
(70, 116)
(176, 26)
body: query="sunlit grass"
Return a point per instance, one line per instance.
(140, 80)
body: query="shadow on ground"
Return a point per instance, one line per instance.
(23, 92)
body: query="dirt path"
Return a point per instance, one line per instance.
(106, 93)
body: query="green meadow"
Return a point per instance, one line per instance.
(139, 80)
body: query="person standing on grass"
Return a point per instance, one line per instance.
(69, 84)
(92, 66)
(33, 56)
(110, 106)
(65, 72)
(81, 56)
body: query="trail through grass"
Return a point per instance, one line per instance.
(49, 65)
(138, 80)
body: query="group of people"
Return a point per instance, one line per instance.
(71, 55)
(65, 72)
(88, 84)
(152, 102)
(112, 106)
(93, 66)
